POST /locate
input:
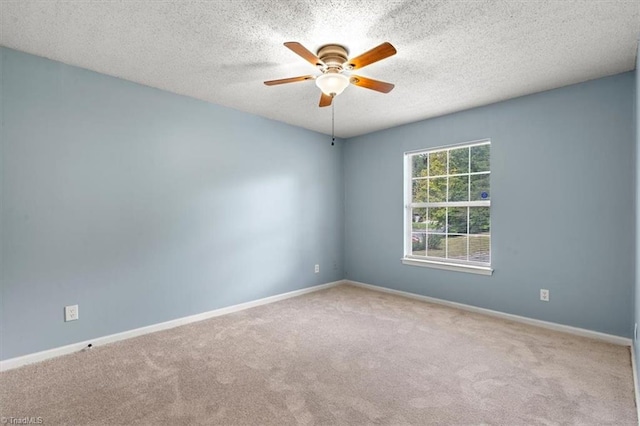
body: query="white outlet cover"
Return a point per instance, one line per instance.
(544, 295)
(317, 269)
(71, 313)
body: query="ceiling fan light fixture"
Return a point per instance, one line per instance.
(332, 84)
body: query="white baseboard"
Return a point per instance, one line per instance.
(74, 347)
(618, 340)
(634, 367)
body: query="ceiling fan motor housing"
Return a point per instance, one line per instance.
(333, 55)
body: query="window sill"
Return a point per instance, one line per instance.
(470, 269)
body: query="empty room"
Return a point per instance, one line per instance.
(319, 212)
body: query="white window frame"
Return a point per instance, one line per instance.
(433, 262)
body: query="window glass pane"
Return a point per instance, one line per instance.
(480, 248)
(457, 220)
(480, 187)
(437, 219)
(459, 188)
(420, 165)
(419, 191)
(457, 247)
(480, 158)
(437, 190)
(436, 245)
(459, 161)
(418, 243)
(479, 222)
(438, 163)
(452, 178)
(419, 220)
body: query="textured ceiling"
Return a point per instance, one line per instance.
(452, 55)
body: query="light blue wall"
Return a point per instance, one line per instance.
(142, 206)
(562, 186)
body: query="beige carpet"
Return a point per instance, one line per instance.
(339, 356)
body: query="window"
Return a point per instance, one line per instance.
(448, 207)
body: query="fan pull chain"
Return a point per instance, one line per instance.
(333, 123)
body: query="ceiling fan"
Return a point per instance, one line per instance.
(332, 60)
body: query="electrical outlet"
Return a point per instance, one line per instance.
(635, 332)
(71, 313)
(317, 269)
(544, 294)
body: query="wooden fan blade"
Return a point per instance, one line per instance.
(369, 83)
(325, 100)
(374, 55)
(304, 53)
(288, 80)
